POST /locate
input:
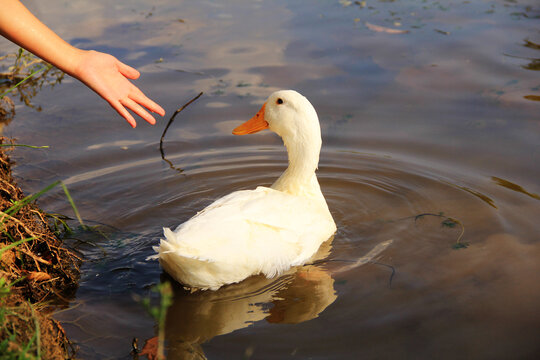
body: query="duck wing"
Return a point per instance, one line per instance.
(259, 227)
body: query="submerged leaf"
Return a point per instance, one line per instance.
(460, 245)
(449, 223)
(532, 97)
(150, 348)
(531, 45)
(442, 32)
(362, 4)
(533, 65)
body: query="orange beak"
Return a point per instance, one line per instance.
(253, 125)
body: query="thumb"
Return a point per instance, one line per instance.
(128, 71)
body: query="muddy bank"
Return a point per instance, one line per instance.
(36, 276)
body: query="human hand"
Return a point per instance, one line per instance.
(108, 77)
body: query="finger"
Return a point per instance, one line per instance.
(128, 71)
(137, 109)
(142, 99)
(124, 113)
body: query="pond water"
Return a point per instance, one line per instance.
(430, 139)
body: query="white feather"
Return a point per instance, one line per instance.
(262, 231)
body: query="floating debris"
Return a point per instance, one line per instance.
(386, 30)
(442, 32)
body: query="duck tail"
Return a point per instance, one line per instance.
(184, 266)
(165, 245)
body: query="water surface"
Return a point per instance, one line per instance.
(430, 139)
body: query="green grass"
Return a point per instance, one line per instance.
(11, 346)
(26, 76)
(159, 312)
(22, 81)
(19, 325)
(17, 205)
(28, 146)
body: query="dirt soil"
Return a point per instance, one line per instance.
(41, 272)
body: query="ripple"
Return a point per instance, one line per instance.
(417, 210)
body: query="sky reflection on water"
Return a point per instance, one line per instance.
(443, 120)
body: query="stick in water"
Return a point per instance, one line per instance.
(171, 120)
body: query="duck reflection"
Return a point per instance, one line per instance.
(297, 296)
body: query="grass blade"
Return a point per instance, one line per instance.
(70, 199)
(38, 332)
(20, 82)
(28, 146)
(15, 244)
(19, 204)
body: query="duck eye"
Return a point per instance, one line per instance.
(279, 101)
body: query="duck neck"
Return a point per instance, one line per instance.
(299, 178)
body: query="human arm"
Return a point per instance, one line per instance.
(101, 72)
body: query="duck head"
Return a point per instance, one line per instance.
(291, 116)
(288, 114)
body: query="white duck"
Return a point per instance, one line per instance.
(262, 231)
